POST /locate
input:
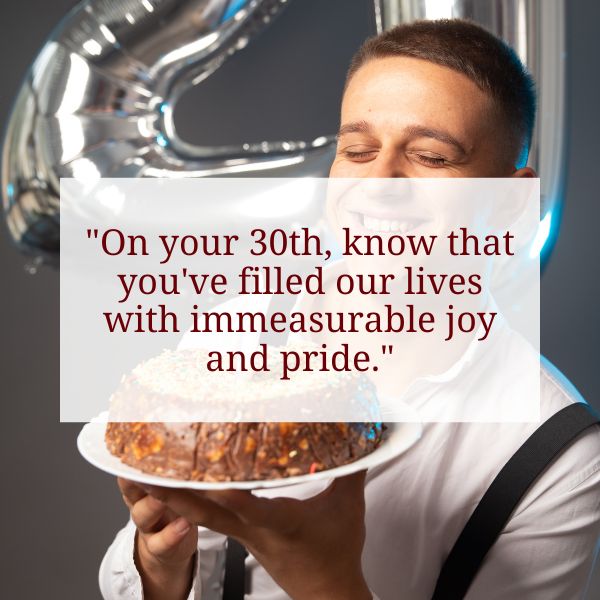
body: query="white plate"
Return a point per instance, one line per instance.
(397, 438)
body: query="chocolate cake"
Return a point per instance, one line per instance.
(233, 451)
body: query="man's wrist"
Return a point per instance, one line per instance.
(348, 594)
(360, 591)
(349, 588)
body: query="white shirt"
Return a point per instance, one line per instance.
(417, 505)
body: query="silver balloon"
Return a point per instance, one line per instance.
(535, 29)
(98, 100)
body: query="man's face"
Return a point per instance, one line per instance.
(406, 117)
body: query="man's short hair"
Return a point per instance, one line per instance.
(469, 49)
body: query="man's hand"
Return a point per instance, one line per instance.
(165, 545)
(312, 548)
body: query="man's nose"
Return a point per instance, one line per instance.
(386, 165)
(381, 183)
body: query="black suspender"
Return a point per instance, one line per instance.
(234, 584)
(503, 495)
(489, 517)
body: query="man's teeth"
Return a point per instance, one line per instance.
(374, 224)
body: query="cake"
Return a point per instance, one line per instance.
(229, 448)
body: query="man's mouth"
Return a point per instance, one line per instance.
(386, 225)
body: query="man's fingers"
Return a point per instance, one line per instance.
(233, 500)
(147, 513)
(164, 542)
(253, 510)
(347, 492)
(130, 491)
(350, 484)
(199, 510)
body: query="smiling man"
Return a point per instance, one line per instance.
(435, 99)
(432, 99)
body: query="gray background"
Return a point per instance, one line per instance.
(59, 513)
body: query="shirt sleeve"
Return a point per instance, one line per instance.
(119, 578)
(547, 549)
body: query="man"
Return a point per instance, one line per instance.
(432, 99)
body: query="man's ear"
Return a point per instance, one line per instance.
(513, 210)
(507, 214)
(524, 172)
